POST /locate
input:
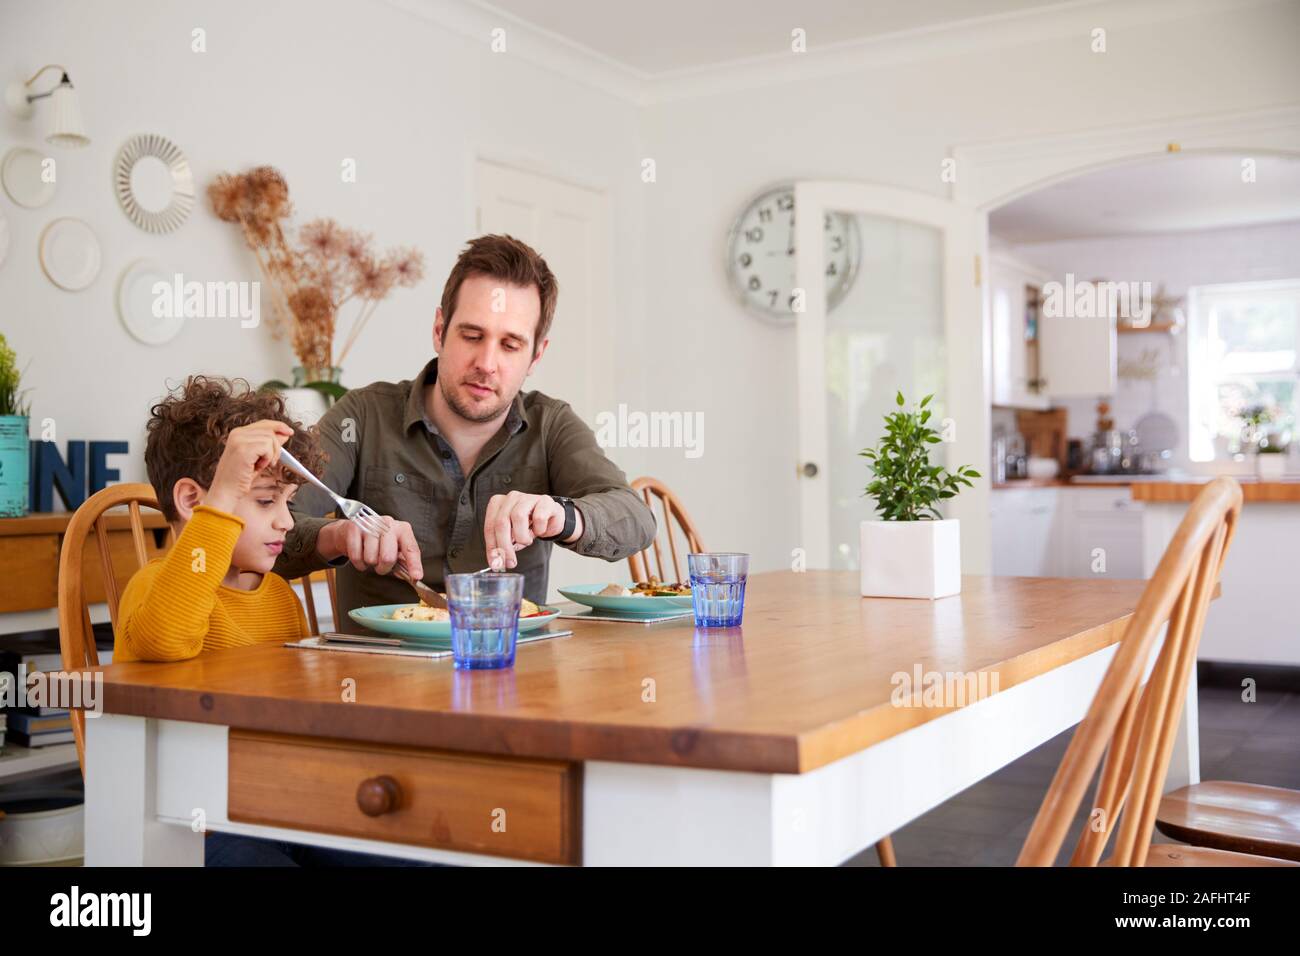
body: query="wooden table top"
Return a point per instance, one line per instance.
(805, 681)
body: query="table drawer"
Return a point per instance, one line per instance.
(504, 806)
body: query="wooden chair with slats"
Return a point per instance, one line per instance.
(1240, 817)
(1133, 724)
(672, 511)
(76, 638)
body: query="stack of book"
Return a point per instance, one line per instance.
(22, 655)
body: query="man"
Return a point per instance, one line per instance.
(473, 472)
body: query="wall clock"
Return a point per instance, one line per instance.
(760, 254)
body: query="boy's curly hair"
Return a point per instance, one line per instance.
(187, 433)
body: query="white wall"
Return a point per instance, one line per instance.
(1178, 261)
(303, 85)
(893, 125)
(300, 85)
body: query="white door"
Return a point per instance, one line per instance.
(912, 321)
(570, 227)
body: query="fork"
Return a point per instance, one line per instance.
(370, 522)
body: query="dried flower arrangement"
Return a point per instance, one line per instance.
(313, 278)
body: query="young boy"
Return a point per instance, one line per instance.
(212, 458)
(211, 455)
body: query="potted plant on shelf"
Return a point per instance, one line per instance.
(312, 276)
(1270, 457)
(911, 550)
(15, 449)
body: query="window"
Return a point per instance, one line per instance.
(1243, 343)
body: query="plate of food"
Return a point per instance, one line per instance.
(420, 623)
(642, 597)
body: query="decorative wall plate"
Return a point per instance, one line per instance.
(20, 173)
(135, 303)
(153, 182)
(70, 254)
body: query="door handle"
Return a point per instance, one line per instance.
(808, 470)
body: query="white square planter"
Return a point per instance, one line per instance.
(911, 559)
(1270, 467)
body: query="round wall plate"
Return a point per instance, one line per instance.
(20, 174)
(70, 255)
(135, 303)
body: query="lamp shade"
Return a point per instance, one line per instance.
(65, 121)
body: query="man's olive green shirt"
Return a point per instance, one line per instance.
(384, 451)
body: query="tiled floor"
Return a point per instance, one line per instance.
(986, 824)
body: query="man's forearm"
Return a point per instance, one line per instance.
(616, 524)
(301, 554)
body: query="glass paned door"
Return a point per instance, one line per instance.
(911, 321)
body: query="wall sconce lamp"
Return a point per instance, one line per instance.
(65, 124)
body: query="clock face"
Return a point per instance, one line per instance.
(761, 254)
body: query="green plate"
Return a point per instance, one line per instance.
(586, 594)
(434, 634)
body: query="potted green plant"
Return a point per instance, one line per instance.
(910, 549)
(1270, 457)
(15, 462)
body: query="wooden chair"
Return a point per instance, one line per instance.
(1133, 724)
(76, 638)
(1239, 817)
(309, 600)
(672, 510)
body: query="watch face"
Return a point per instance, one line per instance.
(761, 254)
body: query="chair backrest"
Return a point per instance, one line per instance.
(76, 638)
(309, 599)
(672, 511)
(1133, 723)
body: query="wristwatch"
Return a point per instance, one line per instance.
(570, 519)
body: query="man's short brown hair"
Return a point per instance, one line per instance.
(513, 262)
(187, 433)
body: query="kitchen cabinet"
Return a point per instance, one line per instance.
(1103, 536)
(1066, 531)
(1026, 537)
(1037, 357)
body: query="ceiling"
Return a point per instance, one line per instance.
(1173, 193)
(670, 36)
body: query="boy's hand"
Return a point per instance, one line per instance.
(366, 552)
(249, 450)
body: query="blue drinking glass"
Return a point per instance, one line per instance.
(484, 619)
(718, 587)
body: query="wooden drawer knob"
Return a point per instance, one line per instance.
(378, 795)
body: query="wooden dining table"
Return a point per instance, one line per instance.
(820, 725)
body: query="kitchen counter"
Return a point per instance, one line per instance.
(1254, 621)
(1074, 481)
(1279, 491)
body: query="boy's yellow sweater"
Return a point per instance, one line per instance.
(176, 607)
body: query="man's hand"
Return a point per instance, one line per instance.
(521, 519)
(366, 552)
(249, 450)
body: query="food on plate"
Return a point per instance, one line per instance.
(652, 588)
(421, 612)
(656, 588)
